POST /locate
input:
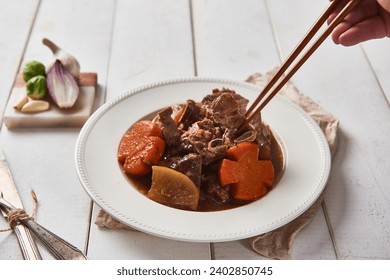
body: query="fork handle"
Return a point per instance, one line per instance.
(58, 246)
(27, 244)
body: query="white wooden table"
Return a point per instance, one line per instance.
(134, 42)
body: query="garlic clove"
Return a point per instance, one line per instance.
(20, 102)
(67, 60)
(35, 106)
(62, 86)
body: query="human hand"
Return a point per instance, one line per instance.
(370, 19)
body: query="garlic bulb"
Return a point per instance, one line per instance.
(68, 61)
(62, 86)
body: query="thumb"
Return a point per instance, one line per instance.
(385, 4)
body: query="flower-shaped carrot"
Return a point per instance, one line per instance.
(250, 177)
(141, 147)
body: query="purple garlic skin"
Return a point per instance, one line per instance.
(62, 86)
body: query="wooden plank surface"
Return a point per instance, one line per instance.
(17, 19)
(43, 159)
(14, 35)
(153, 43)
(132, 43)
(233, 39)
(225, 51)
(376, 51)
(342, 81)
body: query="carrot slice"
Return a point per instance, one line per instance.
(226, 172)
(141, 147)
(153, 150)
(236, 152)
(250, 178)
(135, 166)
(135, 138)
(254, 178)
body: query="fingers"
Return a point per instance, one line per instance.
(386, 19)
(339, 30)
(363, 10)
(337, 10)
(350, 27)
(385, 4)
(372, 28)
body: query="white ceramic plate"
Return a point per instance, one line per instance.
(306, 172)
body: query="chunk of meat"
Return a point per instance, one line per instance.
(215, 190)
(171, 133)
(198, 137)
(225, 112)
(190, 165)
(192, 112)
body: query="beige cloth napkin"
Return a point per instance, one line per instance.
(276, 244)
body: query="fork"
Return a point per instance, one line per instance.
(61, 249)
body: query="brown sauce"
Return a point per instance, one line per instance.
(208, 203)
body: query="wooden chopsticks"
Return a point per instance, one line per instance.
(265, 96)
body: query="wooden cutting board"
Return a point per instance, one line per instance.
(54, 117)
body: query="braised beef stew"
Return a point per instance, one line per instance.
(198, 136)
